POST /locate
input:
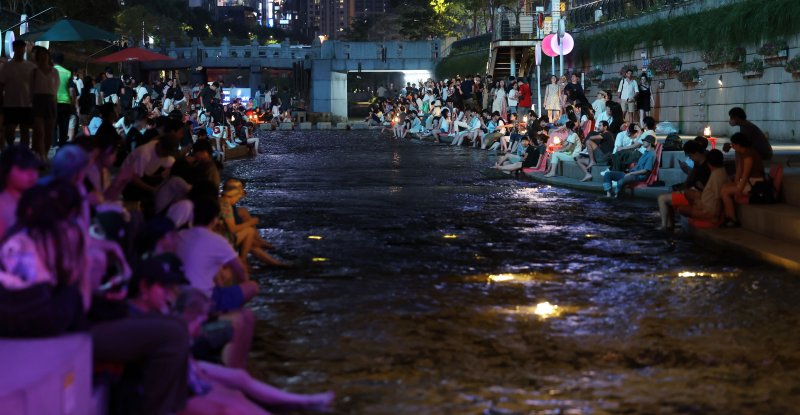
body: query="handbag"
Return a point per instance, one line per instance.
(762, 192)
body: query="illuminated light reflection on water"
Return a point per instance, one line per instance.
(400, 320)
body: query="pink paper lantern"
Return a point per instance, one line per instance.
(547, 47)
(567, 42)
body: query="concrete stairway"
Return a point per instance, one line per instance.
(770, 232)
(669, 172)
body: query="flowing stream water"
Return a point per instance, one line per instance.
(422, 287)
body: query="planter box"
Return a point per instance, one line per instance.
(736, 62)
(753, 74)
(690, 83)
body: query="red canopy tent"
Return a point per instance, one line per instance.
(134, 54)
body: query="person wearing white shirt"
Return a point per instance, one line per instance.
(628, 89)
(76, 79)
(627, 148)
(16, 94)
(604, 115)
(513, 98)
(599, 105)
(571, 150)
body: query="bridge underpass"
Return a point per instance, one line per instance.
(329, 86)
(329, 63)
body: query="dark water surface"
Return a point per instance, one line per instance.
(393, 307)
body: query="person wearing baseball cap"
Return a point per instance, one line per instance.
(637, 174)
(153, 287)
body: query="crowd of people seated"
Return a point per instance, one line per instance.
(496, 115)
(129, 234)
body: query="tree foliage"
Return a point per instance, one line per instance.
(132, 20)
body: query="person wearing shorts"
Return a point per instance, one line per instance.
(694, 185)
(628, 89)
(16, 95)
(227, 298)
(213, 266)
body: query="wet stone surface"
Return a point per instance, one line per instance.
(394, 309)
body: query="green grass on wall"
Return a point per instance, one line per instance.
(470, 63)
(747, 23)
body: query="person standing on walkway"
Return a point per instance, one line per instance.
(513, 98)
(524, 106)
(15, 95)
(66, 99)
(552, 99)
(628, 89)
(45, 86)
(111, 88)
(644, 99)
(500, 103)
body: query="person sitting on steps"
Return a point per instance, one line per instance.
(599, 148)
(638, 174)
(692, 188)
(571, 149)
(749, 171)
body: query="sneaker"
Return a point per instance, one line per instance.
(731, 223)
(603, 173)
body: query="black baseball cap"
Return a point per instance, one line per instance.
(164, 269)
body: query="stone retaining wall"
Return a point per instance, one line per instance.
(772, 101)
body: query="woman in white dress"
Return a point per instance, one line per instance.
(500, 103)
(552, 101)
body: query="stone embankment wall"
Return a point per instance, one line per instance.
(771, 100)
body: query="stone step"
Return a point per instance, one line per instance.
(671, 176)
(46, 376)
(358, 125)
(781, 221)
(778, 252)
(285, 126)
(323, 125)
(791, 189)
(571, 170)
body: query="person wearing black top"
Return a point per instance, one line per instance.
(574, 91)
(600, 146)
(111, 87)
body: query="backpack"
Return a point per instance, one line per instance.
(673, 142)
(763, 192)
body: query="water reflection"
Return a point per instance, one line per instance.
(407, 321)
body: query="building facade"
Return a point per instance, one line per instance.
(331, 18)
